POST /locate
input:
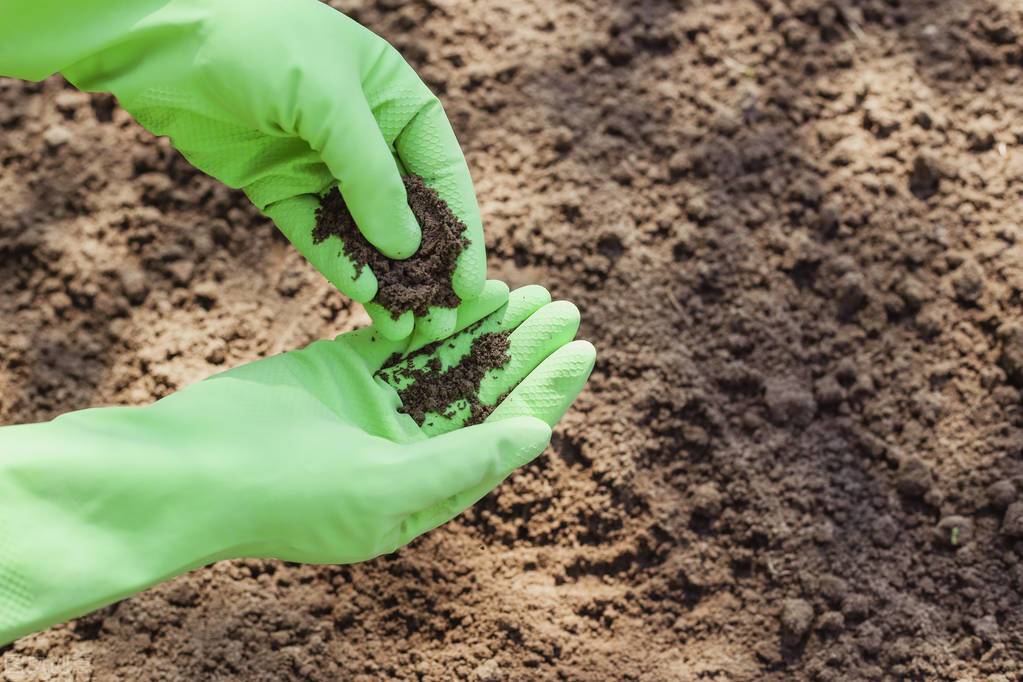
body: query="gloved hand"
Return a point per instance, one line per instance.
(302, 456)
(282, 98)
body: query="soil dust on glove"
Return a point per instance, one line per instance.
(418, 282)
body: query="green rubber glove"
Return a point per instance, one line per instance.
(281, 98)
(302, 456)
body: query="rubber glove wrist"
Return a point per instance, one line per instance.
(93, 509)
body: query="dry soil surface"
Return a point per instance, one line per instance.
(795, 231)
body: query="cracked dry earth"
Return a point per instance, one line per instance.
(795, 232)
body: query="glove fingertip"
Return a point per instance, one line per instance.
(390, 328)
(470, 273)
(550, 389)
(397, 239)
(438, 324)
(361, 287)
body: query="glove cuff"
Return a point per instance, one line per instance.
(15, 589)
(93, 508)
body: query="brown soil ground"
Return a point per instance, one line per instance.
(795, 231)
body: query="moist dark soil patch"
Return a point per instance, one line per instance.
(434, 389)
(418, 282)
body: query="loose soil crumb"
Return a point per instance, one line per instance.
(418, 282)
(434, 389)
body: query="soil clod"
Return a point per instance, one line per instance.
(796, 618)
(914, 478)
(1012, 522)
(1001, 494)
(419, 282)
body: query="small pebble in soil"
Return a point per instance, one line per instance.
(489, 671)
(914, 478)
(1001, 494)
(851, 294)
(828, 391)
(832, 588)
(133, 283)
(1012, 522)
(707, 500)
(856, 606)
(968, 282)
(925, 176)
(1011, 357)
(56, 136)
(831, 622)
(884, 531)
(796, 618)
(789, 401)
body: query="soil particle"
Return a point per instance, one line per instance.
(707, 500)
(968, 282)
(828, 391)
(56, 136)
(829, 219)
(856, 606)
(832, 588)
(1001, 494)
(914, 478)
(831, 622)
(796, 619)
(789, 401)
(133, 284)
(1011, 357)
(925, 176)
(869, 639)
(981, 134)
(824, 533)
(852, 294)
(986, 627)
(418, 282)
(442, 391)
(1012, 522)
(488, 671)
(884, 531)
(913, 293)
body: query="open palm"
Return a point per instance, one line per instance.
(324, 463)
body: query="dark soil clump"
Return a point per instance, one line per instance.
(418, 282)
(434, 389)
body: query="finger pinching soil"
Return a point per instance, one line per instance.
(419, 282)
